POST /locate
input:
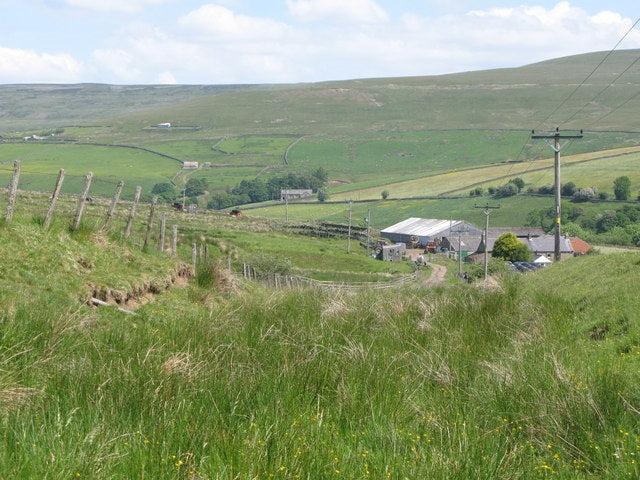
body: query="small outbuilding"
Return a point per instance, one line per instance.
(393, 253)
(295, 194)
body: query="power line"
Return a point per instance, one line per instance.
(561, 104)
(603, 90)
(556, 137)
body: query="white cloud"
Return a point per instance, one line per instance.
(215, 20)
(352, 11)
(214, 44)
(27, 66)
(120, 64)
(118, 6)
(166, 78)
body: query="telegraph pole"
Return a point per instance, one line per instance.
(349, 234)
(368, 229)
(460, 232)
(487, 211)
(553, 141)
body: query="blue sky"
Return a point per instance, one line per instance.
(289, 41)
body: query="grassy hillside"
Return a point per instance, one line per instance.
(417, 136)
(534, 380)
(515, 98)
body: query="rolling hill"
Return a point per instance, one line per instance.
(412, 136)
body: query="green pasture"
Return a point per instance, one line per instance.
(41, 163)
(383, 213)
(320, 258)
(585, 169)
(228, 152)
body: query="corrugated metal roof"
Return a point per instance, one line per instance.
(421, 227)
(547, 244)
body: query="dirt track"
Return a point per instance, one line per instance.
(437, 274)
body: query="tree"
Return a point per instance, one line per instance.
(323, 196)
(518, 182)
(507, 190)
(568, 189)
(165, 191)
(195, 187)
(509, 248)
(622, 188)
(321, 174)
(384, 194)
(584, 194)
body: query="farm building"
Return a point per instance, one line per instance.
(393, 253)
(190, 165)
(543, 245)
(579, 246)
(473, 241)
(295, 194)
(425, 230)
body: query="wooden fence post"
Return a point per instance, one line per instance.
(112, 207)
(54, 198)
(174, 241)
(132, 213)
(82, 200)
(152, 211)
(163, 227)
(194, 254)
(13, 189)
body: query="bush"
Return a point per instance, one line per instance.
(507, 190)
(584, 195)
(269, 265)
(622, 187)
(323, 195)
(518, 182)
(568, 189)
(509, 248)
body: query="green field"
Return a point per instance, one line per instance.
(40, 164)
(418, 136)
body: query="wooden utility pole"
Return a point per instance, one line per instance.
(553, 141)
(487, 211)
(286, 207)
(368, 229)
(459, 232)
(349, 232)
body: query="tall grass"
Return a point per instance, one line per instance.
(447, 383)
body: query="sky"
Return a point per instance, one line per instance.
(291, 41)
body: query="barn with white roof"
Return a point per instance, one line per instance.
(425, 230)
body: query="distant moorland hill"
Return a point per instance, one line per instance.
(540, 95)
